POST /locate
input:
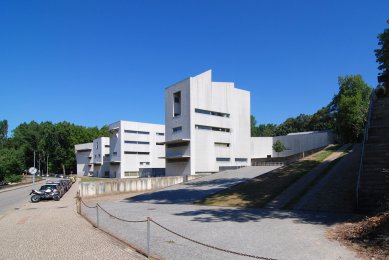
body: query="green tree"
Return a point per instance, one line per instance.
(254, 129)
(11, 162)
(267, 130)
(3, 131)
(278, 147)
(350, 107)
(382, 56)
(322, 120)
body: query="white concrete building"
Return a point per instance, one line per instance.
(207, 126)
(100, 157)
(262, 147)
(84, 156)
(136, 149)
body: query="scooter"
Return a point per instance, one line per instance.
(44, 194)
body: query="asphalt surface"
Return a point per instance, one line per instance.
(53, 230)
(258, 232)
(189, 192)
(13, 197)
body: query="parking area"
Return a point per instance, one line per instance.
(53, 228)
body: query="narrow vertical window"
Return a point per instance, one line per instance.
(177, 103)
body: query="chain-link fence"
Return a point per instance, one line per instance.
(153, 239)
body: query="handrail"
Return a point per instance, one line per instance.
(365, 139)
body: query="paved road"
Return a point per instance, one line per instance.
(197, 189)
(53, 230)
(260, 232)
(14, 197)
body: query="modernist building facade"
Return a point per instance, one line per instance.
(84, 155)
(136, 149)
(207, 126)
(207, 129)
(133, 150)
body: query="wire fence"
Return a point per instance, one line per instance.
(169, 242)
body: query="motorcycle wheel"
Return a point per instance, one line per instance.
(56, 198)
(35, 198)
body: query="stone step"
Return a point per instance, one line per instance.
(379, 131)
(378, 139)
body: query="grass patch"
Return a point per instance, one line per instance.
(93, 179)
(261, 190)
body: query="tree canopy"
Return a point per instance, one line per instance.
(346, 114)
(382, 56)
(54, 142)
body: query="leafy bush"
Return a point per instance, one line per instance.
(13, 178)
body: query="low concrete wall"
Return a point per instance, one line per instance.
(89, 189)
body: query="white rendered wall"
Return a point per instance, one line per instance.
(84, 158)
(294, 143)
(122, 162)
(200, 92)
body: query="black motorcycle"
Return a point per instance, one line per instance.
(45, 192)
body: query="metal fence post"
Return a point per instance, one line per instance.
(97, 215)
(148, 237)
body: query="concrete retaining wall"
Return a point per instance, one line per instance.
(89, 189)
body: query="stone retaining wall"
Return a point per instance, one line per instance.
(89, 189)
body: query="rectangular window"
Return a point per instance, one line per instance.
(114, 153)
(177, 129)
(106, 173)
(136, 132)
(177, 104)
(159, 144)
(222, 159)
(144, 163)
(177, 145)
(212, 128)
(106, 145)
(222, 144)
(130, 174)
(212, 113)
(161, 134)
(136, 142)
(240, 159)
(129, 152)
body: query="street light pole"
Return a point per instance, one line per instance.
(47, 166)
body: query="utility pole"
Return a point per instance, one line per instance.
(47, 166)
(34, 158)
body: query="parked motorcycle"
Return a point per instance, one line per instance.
(45, 192)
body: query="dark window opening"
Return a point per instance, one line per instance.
(212, 113)
(177, 104)
(222, 159)
(212, 128)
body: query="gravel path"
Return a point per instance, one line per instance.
(53, 230)
(296, 188)
(336, 191)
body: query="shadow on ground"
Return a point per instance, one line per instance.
(256, 215)
(186, 193)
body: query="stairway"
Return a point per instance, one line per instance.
(374, 179)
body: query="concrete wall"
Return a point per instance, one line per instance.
(84, 158)
(205, 105)
(88, 189)
(294, 143)
(135, 137)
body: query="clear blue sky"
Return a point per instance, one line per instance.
(97, 62)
